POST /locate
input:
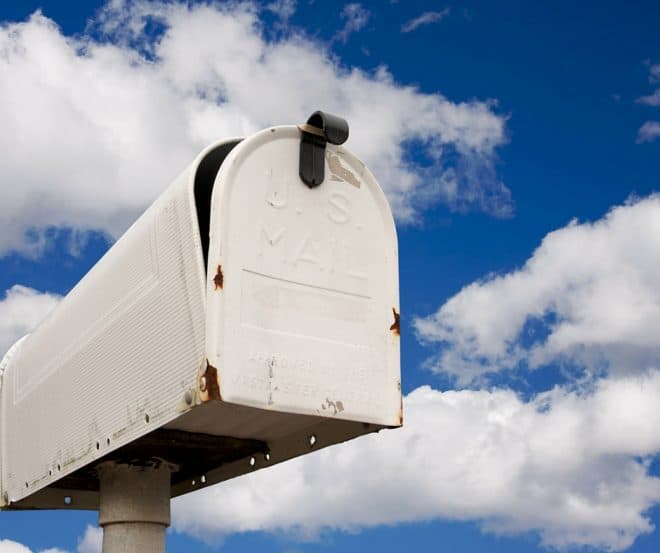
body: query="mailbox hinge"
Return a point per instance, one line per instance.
(320, 129)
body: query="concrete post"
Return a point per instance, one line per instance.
(134, 507)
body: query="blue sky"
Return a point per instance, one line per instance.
(519, 145)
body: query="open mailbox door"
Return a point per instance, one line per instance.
(249, 316)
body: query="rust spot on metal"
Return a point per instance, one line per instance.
(209, 383)
(218, 279)
(396, 328)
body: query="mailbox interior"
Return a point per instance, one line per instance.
(232, 423)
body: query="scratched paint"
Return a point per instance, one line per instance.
(341, 172)
(332, 407)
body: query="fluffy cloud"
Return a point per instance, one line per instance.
(20, 311)
(654, 73)
(565, 465)
(590, 294)
(424, 19)
(284, 9)
(654, 77)
(650, 130)
(651, 99)
(9, 546)
(92, 540)
(96, 125)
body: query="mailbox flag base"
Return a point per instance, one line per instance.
(134, 507)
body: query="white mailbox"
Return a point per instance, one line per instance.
(250, 315)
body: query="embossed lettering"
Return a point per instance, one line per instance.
(272, 238)
(338, 208)
(276, 190)
(307, 251)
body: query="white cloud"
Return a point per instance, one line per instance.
(654, 73)
(654, 98)
(424, 19)
(648, 132)
(92, 540)
(284, 9)
(589, 295)
(651, 100)
(20, 311)
(564, 465)
(94, 129)
(9, 546)
(356, 17)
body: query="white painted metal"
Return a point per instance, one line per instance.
(310, 281)
(122, 346)
(296, 325)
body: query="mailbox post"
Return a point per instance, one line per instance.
(134, 509)
(249, 316)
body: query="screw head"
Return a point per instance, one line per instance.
(188, 397)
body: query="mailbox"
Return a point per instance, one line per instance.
(249, 316)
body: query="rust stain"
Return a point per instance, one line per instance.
(209, 383)
(396, 327)
(218, 279)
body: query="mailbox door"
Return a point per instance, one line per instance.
(302, 288)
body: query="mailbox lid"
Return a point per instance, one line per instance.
(302, 288)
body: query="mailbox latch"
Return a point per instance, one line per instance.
(320, 129)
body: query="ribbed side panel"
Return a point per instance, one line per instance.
(94, 372)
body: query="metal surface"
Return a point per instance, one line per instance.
(292, 332)
(309, 282)
(135, 507)
(113, 360)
